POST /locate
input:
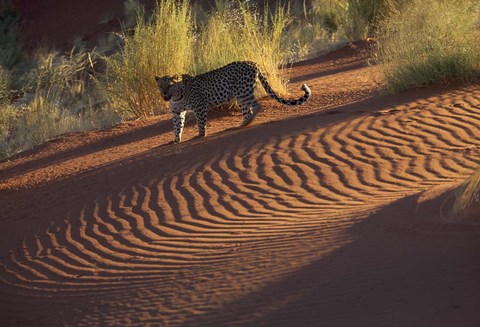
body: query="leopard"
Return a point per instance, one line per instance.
(234, 81)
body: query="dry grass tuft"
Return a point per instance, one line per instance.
(430, 42)
(467, 196)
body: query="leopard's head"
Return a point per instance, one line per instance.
(165, 84)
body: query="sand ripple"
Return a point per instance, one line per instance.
(229, 221)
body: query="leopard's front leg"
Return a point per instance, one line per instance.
(178, 123)
(201, 115)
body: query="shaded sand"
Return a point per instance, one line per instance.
(309, 217)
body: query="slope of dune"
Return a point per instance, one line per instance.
(312, 216)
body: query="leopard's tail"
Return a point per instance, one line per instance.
(290, 102)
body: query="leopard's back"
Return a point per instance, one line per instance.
(221, 85)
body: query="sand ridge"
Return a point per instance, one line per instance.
(306, 218)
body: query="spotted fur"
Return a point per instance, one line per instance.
(235, 80)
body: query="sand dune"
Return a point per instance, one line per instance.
(309, 217)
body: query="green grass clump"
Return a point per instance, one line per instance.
(430, 42)
(163, 44)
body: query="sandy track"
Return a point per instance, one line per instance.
(308, 220)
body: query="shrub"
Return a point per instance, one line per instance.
(430, 42)
(58, 83)
(324, 25)
(59, 77)
(309, 35)
(241, 33)
(166, 44)
(353, 20)
(160, 45)
(363, 16)
(44, 120)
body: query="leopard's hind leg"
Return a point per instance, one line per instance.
(249, 107)
(201, 116)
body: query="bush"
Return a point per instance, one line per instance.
(354, 20)
(320, 26)
(309, 35)
(430, 42)
(160, 45)
(44, 120)
(166, 44)
(61, 78)
(240, 33)
(56, 85)
(363, 16)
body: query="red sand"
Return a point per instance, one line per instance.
(313, 216)
(308, 217)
